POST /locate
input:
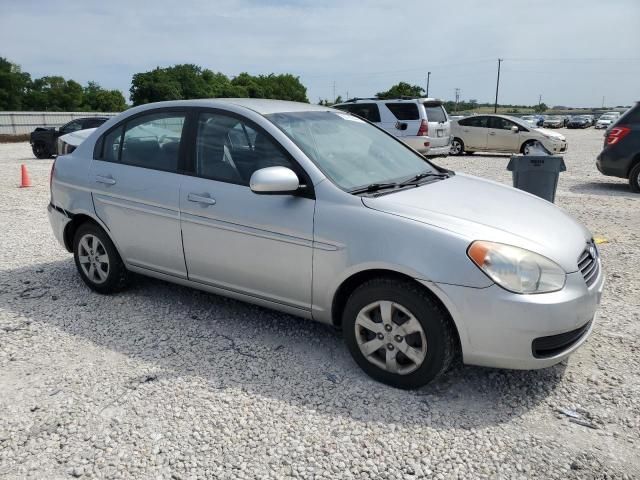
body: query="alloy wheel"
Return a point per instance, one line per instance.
(456, 147)
(391, 337)
(93, 258)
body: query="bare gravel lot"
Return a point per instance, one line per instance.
(166, 382)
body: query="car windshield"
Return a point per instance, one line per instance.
(350, 151)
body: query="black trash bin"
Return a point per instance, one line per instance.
(537, 174)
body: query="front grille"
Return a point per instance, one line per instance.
(550, 346)
(588, 264)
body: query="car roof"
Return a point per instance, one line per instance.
(260, 105)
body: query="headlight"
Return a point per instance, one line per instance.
(516, 269)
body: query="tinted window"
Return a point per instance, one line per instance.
(480, 122)
(71, 127)
(368, 111)
(435, 113)
(501, 123)
(111, 145)
(230, 150)
(153, 141)
(631, 116)
(93, 122)
(404, 111)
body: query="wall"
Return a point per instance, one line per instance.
(20, 123)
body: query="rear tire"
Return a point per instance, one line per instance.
(634, 178)
(98, 261)
(40, 150)
(457, 147)
(398, 317)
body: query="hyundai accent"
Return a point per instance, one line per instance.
(316, 212)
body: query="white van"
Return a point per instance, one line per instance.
(421, 123)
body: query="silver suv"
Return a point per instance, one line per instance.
(315, 212)
(421, 123)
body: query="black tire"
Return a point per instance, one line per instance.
(634, 178)
(117, 277)
(40, 150)
(467, 152)
(441, 340)
(454, 144)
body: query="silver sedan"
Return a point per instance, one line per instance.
(318, 213)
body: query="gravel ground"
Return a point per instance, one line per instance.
(166, 382)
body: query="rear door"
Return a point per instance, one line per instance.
(473, 131)
(501, 138)
(135, 186)
(402, 113)
(439, 126)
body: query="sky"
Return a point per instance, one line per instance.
(571, 52)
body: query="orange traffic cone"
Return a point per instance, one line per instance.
(26, 179)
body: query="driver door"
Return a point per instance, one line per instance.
(501, 138)
(258, 245)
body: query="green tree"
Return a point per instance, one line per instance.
(402, 89)
(54, 93)
(97, 99)
(540, 108)
(13, 85)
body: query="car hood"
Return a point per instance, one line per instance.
(550, 133)
(77, 137)
(479, 209)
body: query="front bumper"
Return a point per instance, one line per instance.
(58, 220)
(498, 328)
(556, 146)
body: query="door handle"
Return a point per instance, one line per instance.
(492, 133)
(105, 180)
(194, 197)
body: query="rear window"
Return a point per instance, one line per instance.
(368, 111)
(630, 116)
(435, 113)
(404, 111)
(481, 122)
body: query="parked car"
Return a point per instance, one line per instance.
(313, 211)
(553, 121)
(43, 140)
(421, 123)
(69, 142)
(620, 156)
(578, 121)
(501, 133)
(591, 119)
(605, 121)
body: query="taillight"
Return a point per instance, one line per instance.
(616, 134)
(423, 131)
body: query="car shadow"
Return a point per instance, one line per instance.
(608, 188)
(181, 332)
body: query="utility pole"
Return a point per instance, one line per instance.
(334, 91)
(428, 78)
(495, 106)
(539, 99)
(457, 97)
(603, 102)
(347, 95)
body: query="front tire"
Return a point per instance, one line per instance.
(634, 178)
(397, 333)
(40, 150)
(457, 147)
(98, 261)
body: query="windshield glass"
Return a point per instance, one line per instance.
(351, 152)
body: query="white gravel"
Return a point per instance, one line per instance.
(167, 382)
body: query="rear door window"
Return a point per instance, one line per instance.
(368, 111)
(149, 141)
(404, 111)
(435, 113)
(478, 122)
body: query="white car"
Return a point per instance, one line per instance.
(421, 123)
(501, 133)
(68, 143)
(606, 120)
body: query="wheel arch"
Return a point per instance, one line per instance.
(78, 219)
(633, 163)
(348, 286)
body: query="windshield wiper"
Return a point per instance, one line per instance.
(420, 176)
(374, 187)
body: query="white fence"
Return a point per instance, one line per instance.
(19, 123)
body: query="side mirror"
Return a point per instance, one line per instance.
(274, 181)
(515, 129)
(401, 125)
